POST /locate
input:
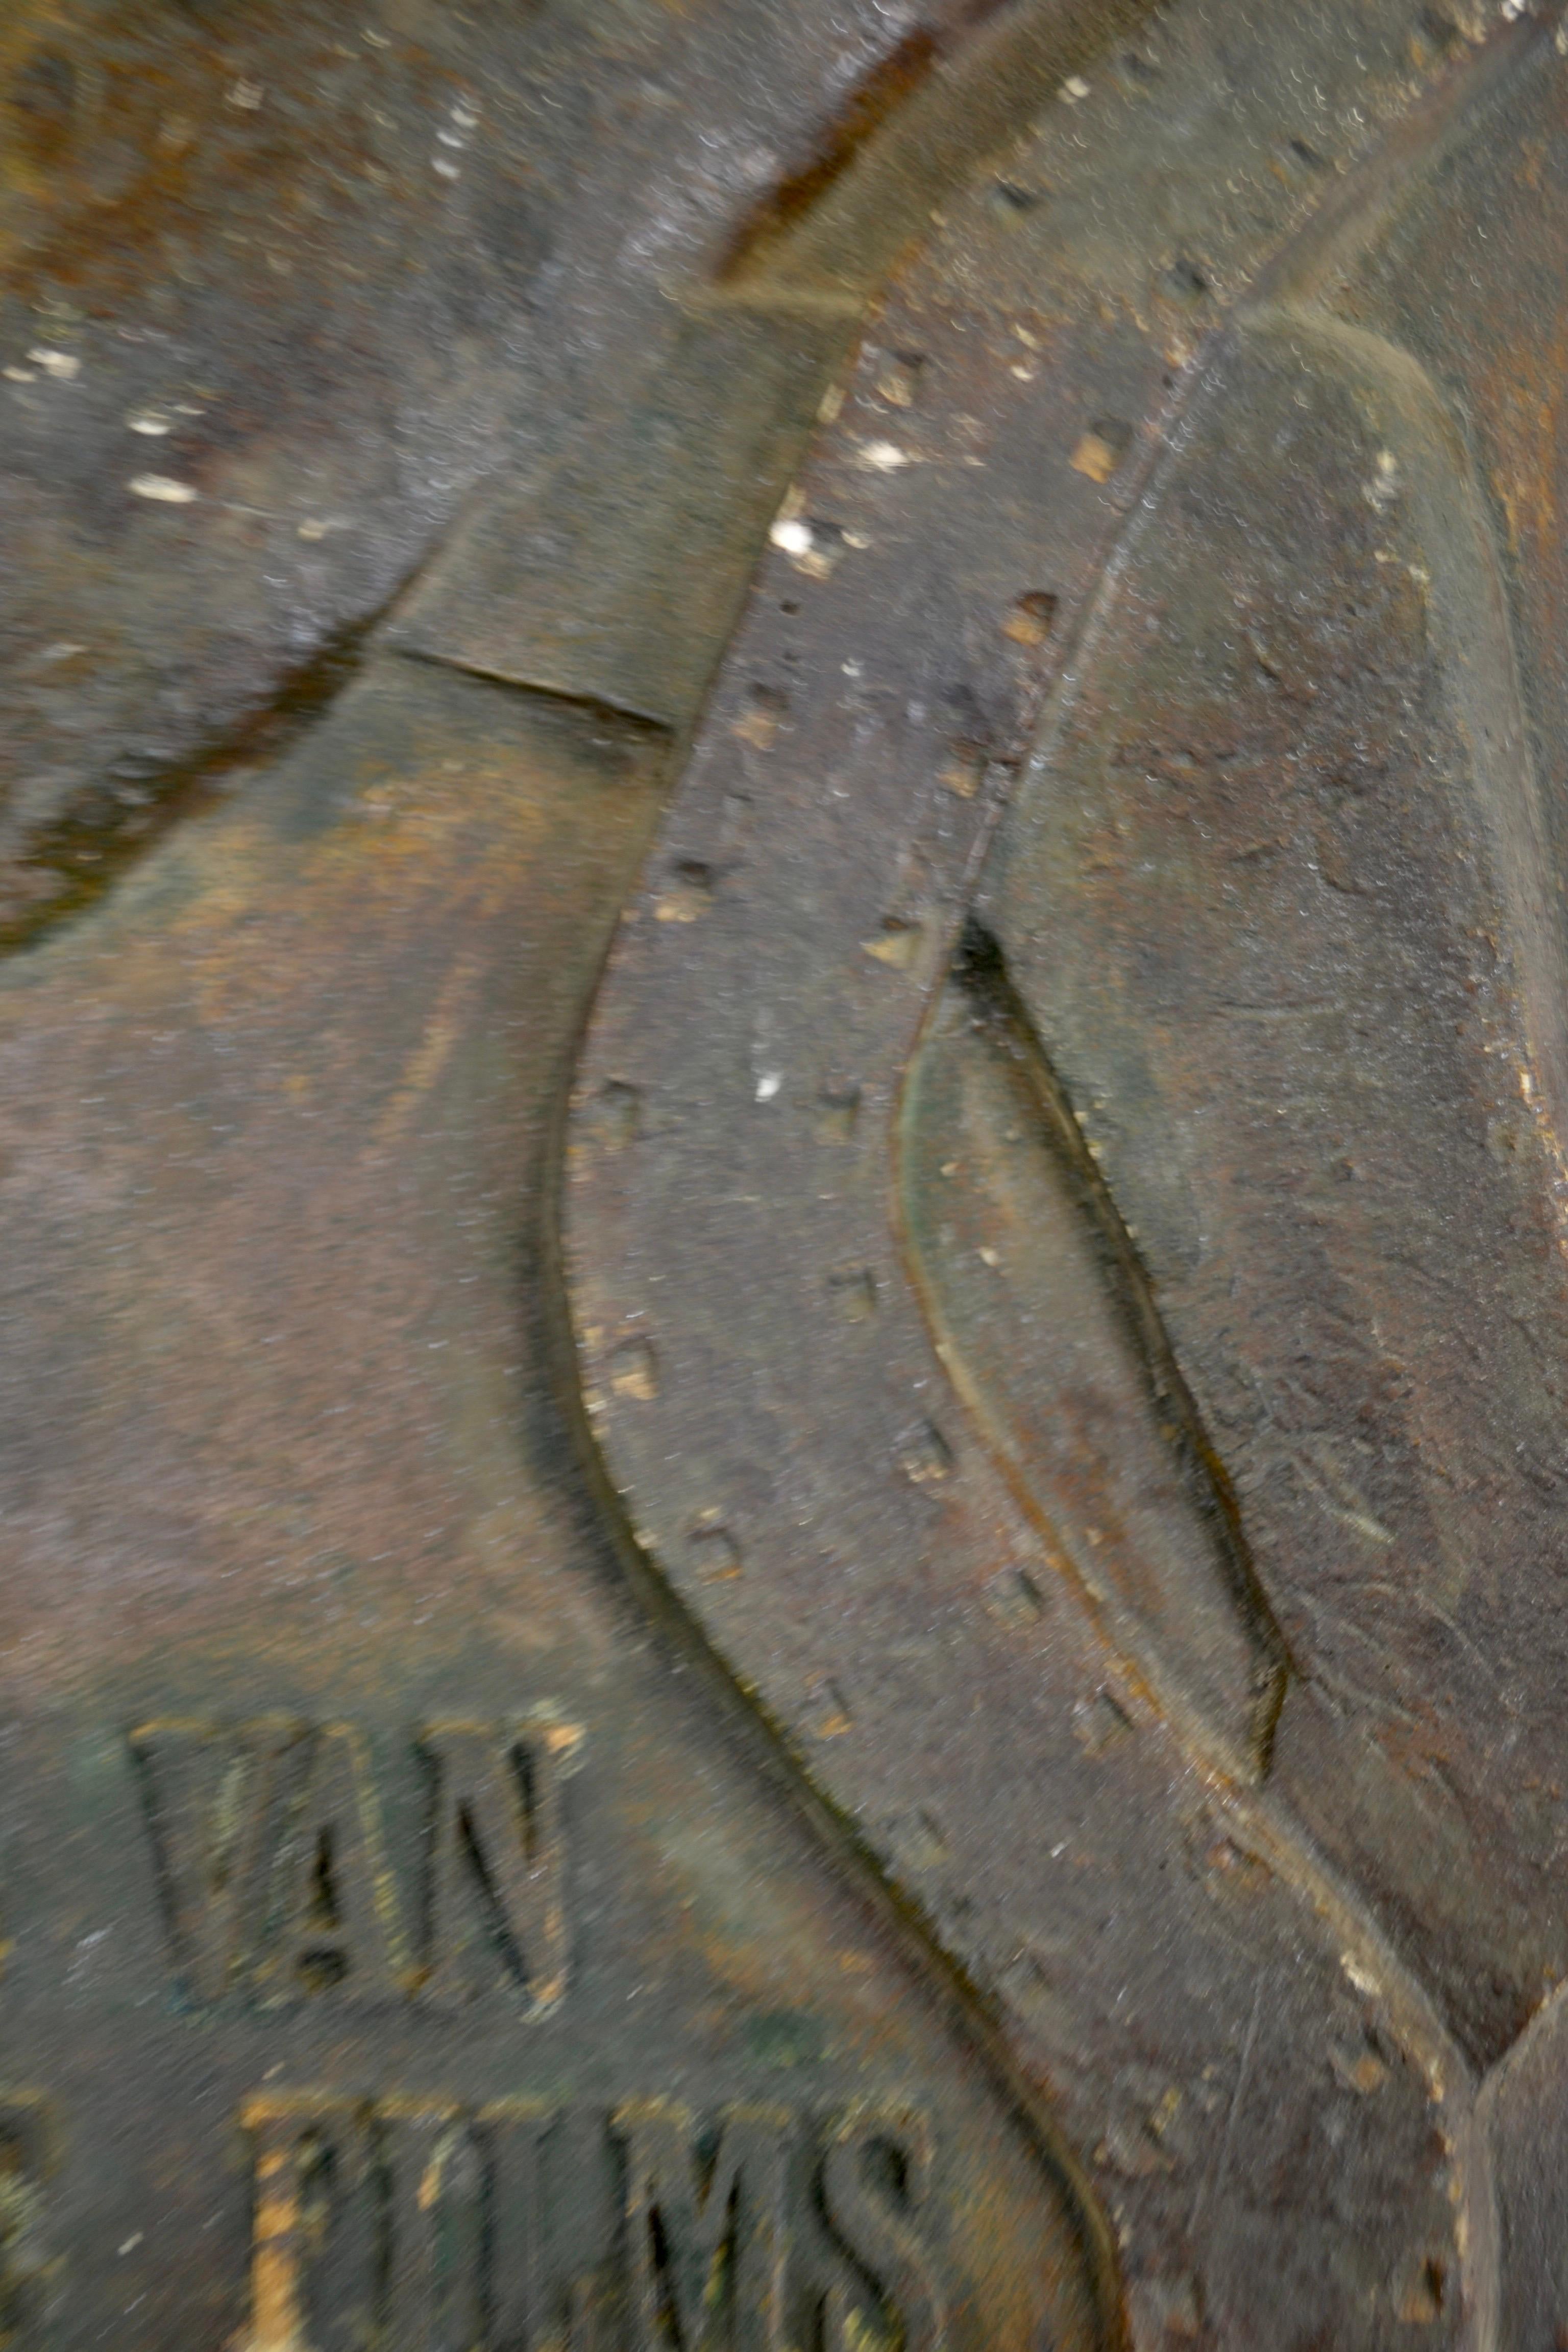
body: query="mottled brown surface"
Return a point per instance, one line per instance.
(923, 1534)
(355, 261)
(316, 1462)
(1273, 905)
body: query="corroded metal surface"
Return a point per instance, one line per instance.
(782, 1280)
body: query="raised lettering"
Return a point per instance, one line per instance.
(495, 1906)
(274, 1879)
(213, 1797)
(875, 2165)
(433, 2182)
(336, 1903)
(554, 2212)
(707, 2227)
(313, 2256)
(420, 2224)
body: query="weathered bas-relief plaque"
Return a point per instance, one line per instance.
(783, 1198)
(407, 1943)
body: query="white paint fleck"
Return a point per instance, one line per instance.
(883, 457)
(769, 1084)
(246, 95)
(1072, 89)
(793, 535)
(20, 375)
(82, 1959)
(129, 2244)
(1383, 489)
(440, 164)
(149, 423)
(63, 365)
(161, 487)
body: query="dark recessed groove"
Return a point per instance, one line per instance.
(912, 129)
(981, 970)
(878, 95)
(768, 1743)
(630, 721)
(129, 815)
(894, 144)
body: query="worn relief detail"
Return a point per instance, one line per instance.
(1070, 1252)
(1012, 1234)
(27, 2268)
(276, 1882)
(521, 2223)
(942, 1369)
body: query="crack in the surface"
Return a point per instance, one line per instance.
(622, 715)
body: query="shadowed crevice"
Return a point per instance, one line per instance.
(923, 119)
(878, 95)
(1077, 1311)
(81, 860)
(625, 1559)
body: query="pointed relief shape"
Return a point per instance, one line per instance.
(1277, 904)
(1044, 1323)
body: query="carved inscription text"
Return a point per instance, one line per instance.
(274, 1875)
(522, 2226)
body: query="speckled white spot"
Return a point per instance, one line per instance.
(161, 487)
